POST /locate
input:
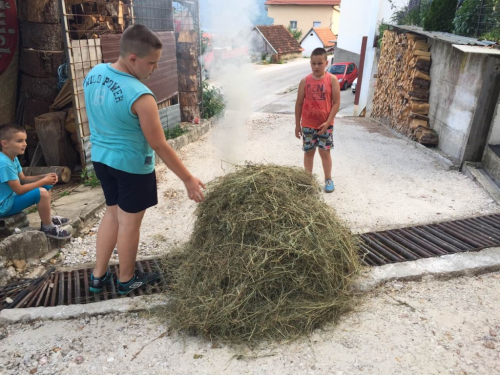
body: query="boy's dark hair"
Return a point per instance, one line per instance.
(320, 52)
(139, 40)
(8, 130)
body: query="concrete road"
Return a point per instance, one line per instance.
(278, 87)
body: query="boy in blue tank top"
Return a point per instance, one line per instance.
(18, 192)
(126, 132)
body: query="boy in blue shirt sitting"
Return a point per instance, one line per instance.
(18, 192)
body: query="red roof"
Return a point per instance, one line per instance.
(326, 35)
(302, 2)
(280, 39)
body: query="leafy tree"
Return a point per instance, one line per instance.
(440, 16)
(297, 34)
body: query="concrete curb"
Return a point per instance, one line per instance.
(121, 305)
(443, 160)
(442, 268)
(478, 175)
(195, 132)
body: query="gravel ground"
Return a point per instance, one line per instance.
(433, 327)
(381, 181)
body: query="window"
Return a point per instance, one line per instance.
(317, 24)
(293, 25)
(350, 69)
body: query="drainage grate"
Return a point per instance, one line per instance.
(377, 248)
(426, 241)
(72, 288)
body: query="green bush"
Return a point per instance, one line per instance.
(492, 36)
(90, 178)
(440, 16)
(465, 20)
(297, 34)
(213, 101)
(176, 131)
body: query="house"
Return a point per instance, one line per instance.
(274, 43)
(318, 37)
(356, 24)
(305, 14)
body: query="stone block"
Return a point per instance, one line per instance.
(27, 245)
(10, 223)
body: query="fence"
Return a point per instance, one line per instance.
(91, 35)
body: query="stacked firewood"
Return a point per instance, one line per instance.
(90, 19)
(401, 96)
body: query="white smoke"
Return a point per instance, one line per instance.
(230, 22)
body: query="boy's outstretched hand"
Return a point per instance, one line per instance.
(193, 187)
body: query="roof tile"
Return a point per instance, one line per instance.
(280, 38)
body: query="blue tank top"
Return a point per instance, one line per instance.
(115, 133)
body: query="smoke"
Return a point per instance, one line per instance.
(230, 23)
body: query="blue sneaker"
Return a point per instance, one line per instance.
(329, 186)
(98, 283)
(140, 279)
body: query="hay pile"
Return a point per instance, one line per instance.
(267, 259)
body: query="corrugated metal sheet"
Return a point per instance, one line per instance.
(446, 37)
(170, 116)
(164, 81)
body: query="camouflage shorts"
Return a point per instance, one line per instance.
(311, 139)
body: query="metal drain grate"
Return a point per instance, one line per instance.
(377, 248)
(71, 288)
(400, 245)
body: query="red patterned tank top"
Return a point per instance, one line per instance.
(317, 101)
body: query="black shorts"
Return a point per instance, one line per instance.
(133, 193)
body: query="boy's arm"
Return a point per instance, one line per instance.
(149, 118)
(19, 189)
(29, 179)
(335, 105)
(298, 107)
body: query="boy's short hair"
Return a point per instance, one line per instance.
(8, 130)
(319, 52)
(139, 40)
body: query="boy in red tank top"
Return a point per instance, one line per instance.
(318, 101)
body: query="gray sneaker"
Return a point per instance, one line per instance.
(57, 233)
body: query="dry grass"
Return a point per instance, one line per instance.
(268, 259)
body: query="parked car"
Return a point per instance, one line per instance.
(346, 73)
(353, 86)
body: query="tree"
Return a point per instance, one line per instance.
(297, 34)
(440, 16)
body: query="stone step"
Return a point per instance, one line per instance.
(10, 223)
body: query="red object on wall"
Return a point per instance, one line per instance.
(9, 33)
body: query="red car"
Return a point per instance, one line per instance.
(346, 73)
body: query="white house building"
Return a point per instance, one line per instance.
(318, 37)
(360, 18)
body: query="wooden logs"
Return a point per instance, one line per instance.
(42, 11)
(38, 63)
(54, 140)
(402, 89)
(41, 36)
(63, 173)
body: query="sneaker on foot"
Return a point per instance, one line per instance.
(329, 186)
(139, 279)
(98, 283)
(59, 220)
(57, 233)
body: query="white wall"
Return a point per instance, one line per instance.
(310, 42)
(355, 21)
(495, 127)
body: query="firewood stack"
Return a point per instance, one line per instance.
(402, 91)
(90, 19)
